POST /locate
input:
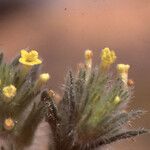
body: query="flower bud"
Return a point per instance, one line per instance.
(117, 100)
(88, 54)
(9, 124)
(88, 58)
(122, 68)
(130, 82)
(123, 72)
(44, 78)
(9, 92)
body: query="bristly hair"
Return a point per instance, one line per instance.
(92, 111)
(24, 111)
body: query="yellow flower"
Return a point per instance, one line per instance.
(88, 58)
(29, 58)
(44, 77)
(117, 100)
(9, 124)
(88, 54)
(122, 68)
(88, 63)
(9, 91)
(123, 72)
(108, 57)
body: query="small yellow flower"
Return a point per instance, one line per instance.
(117, 100)
(9, 124)
(122, 68)
(88, 58)
(88, 54)
(44, 77)
(88, 63)
(123, 72)
(9, 91)
(108, 57)
(29, 58)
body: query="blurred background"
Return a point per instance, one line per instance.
(62, 29)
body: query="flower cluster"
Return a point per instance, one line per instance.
(93, 108)
(91, 112)
(10, 92)
(108, 57)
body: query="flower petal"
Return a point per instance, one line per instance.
(24, 53)
(33, 54)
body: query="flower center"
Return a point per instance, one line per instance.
(30, 58)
